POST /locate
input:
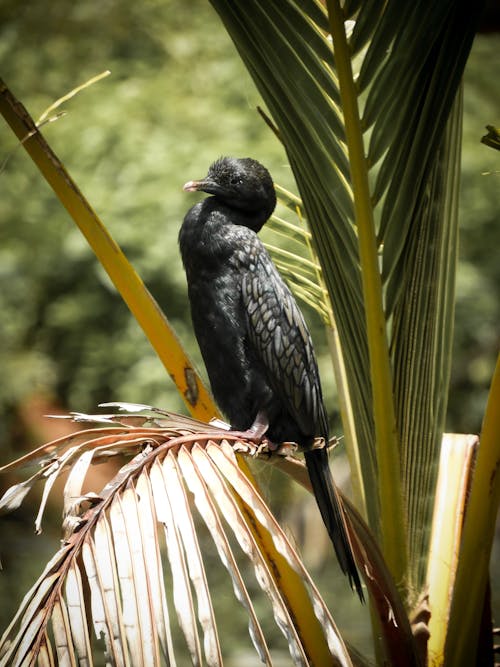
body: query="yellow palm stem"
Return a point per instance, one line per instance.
(128, 283)
(392, 525)
(477, 539)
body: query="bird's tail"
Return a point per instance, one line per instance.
(332, 513)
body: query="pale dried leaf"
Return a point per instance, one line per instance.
(96, 600)
(75, 604)
(232, 514)
(119, 543)
(100, 564)
(62, 635)
(52, 474)
(209, 514)
(82, 417)
(121, 420)
(149, 530)
(45, 453)
(172, 421)
(30, 607)
(74, 483)
(106, 625)
(45, 654)
(14, 496)
(183, 599)
(225, 460)
(49, 569)
(124, 567)
(186, 528)
(131, 407)
(24, 641)
(125, 473)
(146, 630)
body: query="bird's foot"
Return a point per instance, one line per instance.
(319, 443)
(259, 426)
(266, 447)
(257, 430)
(287, 448)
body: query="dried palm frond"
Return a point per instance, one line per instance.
(108, 581)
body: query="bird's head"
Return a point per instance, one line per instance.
(240, 183)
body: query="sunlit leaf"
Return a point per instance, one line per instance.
(142, 524)
(368, 92)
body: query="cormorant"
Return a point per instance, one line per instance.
(252, 335)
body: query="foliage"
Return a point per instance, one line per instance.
(121, 542)
(140, 133)
(384, 121)
(137, 192)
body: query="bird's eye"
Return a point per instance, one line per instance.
(235, 180)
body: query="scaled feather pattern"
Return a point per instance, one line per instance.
(253, 338)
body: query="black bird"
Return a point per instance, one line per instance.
(252, 335)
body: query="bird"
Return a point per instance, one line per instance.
(253, 338)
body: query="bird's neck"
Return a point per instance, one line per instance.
(253, 218)
(211, 234)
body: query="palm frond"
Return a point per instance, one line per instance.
(304, 274)
(374, 108)
(298, 262)
(422, 328)
(391, 526)
(108, 580)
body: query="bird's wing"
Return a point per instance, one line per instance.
(279, 335)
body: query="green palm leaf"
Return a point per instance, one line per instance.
(303, 272)
(407, 63)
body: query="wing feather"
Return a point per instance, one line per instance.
(280, 338)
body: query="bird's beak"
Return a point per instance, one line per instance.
(191, 186)
(205, 185)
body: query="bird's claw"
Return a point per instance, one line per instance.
(268, 448)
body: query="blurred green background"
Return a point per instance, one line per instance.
(177, 98)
